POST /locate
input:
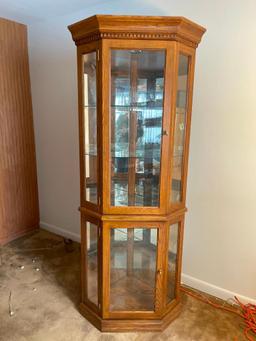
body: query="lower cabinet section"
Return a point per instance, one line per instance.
(130, 269)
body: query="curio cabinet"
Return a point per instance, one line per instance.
(135, 81)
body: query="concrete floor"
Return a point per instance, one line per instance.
(45, 302)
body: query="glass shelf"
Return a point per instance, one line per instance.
(142, 152)
(140, 105)
(180, 111)
(91, 149)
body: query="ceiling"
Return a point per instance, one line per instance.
(28, 11)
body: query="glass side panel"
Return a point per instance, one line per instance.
(90, 127)
(92, 262)
(172, 261)
(137, 95)
(133, 268)
(180, 124)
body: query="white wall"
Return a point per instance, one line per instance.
(219, 246)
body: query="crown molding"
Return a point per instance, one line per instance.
(137, 27)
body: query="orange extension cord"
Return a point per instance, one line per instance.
(246, 311)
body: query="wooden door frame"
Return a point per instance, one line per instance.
(180, 221)
(107, 45)
(84, 271)
(82, 50)
(190, 52)
(160, 263)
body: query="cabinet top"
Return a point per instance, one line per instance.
(137, 27)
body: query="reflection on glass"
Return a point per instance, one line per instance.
(172, 259)
(92, 262)
(180, 123)
(90, 126)
(133, 268)
(137, 89)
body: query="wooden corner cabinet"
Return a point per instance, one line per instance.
(135, 81)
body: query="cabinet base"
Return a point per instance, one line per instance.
(108, 325)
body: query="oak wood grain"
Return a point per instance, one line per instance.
(19, 211)
(137, 27)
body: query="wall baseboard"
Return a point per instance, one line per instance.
(60, 231)
(213, 290)
(185, 279)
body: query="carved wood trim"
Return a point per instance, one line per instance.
(136, 36)
(137, 27)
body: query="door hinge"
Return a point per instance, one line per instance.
(98, 55)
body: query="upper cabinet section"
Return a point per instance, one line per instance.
(136, 27)
(135, 80)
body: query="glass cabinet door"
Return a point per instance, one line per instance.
(137, 95)
(133, 264)
(91, 262)
(180, 131)
(172, 261)
(90, 127)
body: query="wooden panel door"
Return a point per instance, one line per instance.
(19, 211)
